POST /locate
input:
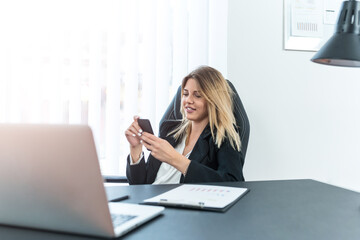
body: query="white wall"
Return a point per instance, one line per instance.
(304, 117)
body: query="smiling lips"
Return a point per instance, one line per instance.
(189, 109)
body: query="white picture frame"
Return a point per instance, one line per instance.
(308, 24)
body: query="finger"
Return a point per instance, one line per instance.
(147, 145)
(146, 139)
(150, 136)
(136, 125)
(138, 131)
(134, 130)
(129, 133)
(136, 117)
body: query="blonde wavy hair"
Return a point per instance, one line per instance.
(218, 95)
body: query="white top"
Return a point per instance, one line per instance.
(167, 174)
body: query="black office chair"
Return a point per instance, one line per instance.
(173, 113)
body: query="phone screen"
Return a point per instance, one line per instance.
(145, 125)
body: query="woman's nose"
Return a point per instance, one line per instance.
(189, 99)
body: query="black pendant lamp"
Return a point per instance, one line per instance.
(343, 48)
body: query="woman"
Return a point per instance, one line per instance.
(203, 147)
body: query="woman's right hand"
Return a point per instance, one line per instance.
(133, 137)
(132, 133)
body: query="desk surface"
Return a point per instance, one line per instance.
(292, 209)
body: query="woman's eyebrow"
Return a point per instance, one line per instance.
(196, 91)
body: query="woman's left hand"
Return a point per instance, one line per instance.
(160, 148)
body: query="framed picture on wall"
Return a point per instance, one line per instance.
(308, 24)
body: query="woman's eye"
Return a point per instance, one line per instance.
(185, 94)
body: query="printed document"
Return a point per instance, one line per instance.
(207, 197)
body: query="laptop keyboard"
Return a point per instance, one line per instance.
(119, 219)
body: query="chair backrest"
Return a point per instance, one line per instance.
(242, 121)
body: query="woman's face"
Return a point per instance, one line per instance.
(194, 103)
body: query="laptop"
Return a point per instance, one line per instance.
(50, 179)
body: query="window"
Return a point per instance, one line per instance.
(101, 62)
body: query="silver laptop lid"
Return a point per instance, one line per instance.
(50, 179)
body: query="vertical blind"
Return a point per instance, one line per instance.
(101, 62)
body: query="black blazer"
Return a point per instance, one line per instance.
(208, 162)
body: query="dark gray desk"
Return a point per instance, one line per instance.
(294, 209)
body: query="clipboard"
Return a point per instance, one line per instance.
(201, 197)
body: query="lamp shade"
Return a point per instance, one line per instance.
(343, 48)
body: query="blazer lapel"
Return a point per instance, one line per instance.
(201, 148)
(166, 127)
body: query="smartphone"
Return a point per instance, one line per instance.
(145, 125)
